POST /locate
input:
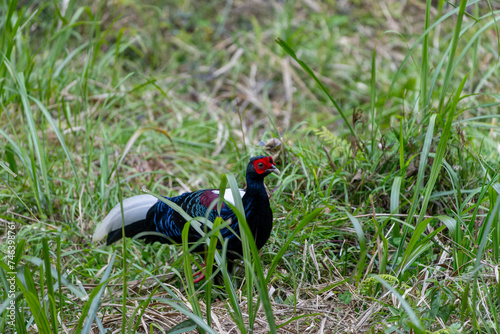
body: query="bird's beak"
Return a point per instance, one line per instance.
(274, 170)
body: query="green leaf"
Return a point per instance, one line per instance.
(451, 56)
(306, 68)
(362, 245)
(346, 297)
(184, 327)
(308, 218)
(93, 303)
(409, 311)
(249, 244)
(396, 186)
(420, 179)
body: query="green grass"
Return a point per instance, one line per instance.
(386, 210)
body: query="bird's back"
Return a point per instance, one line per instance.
(169, 222)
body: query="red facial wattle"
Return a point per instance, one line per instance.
(263, 165)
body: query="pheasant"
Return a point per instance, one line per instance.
(145, 213)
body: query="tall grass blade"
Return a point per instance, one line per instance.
(182, 309)
(184, 327)
(451, 56)
(7, 38)
(60, 137)
(395, 191)
(142, 309)
(27, 286)
(425, 62)
(19, 198)
(436, 167)
(417, 325)
(233, 296)
(441, 150)
(306, 68)
(492, 219)
(50, 286)
(39, 262)
(417, 43)
(7, 169)
(418, 186)
(209, 265)
(247, 243)
(257, 265)
(306, 220)
(362, 245)
(373, 95)
(416, 246)
(192, 296)
(42, 196)
(124, 259)
(93, 303)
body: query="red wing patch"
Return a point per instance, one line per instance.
(207, 197)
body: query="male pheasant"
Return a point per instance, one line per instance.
(145, 213)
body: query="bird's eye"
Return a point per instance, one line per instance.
(260, 165)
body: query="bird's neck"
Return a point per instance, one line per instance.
(256, 203)
(258, 211)
(255, 190)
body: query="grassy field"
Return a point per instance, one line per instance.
(383, 117)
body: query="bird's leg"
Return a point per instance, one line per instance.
(200, 273)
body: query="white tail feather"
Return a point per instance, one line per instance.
(134, 209)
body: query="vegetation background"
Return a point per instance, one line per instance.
(383, 117)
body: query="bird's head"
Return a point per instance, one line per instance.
(261, 166)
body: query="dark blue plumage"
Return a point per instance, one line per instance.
(163, 219)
